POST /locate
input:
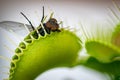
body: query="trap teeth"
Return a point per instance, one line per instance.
(22, 45)
(116, 36)
(28, 39)
(12, 64)
(15, 57)
(11, 70)
(18, 50)
(34, 35)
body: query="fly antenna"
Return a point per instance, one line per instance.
(42, 15)
(28, 21)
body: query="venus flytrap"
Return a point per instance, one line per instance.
(104, 54)
(104, 51)
(43, 54)
(44, 48)
(105, 45)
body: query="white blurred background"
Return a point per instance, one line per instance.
(71, 12)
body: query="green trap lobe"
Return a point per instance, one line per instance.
(59, 49)
(102, 52)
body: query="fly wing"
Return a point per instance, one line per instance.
(16, 27)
